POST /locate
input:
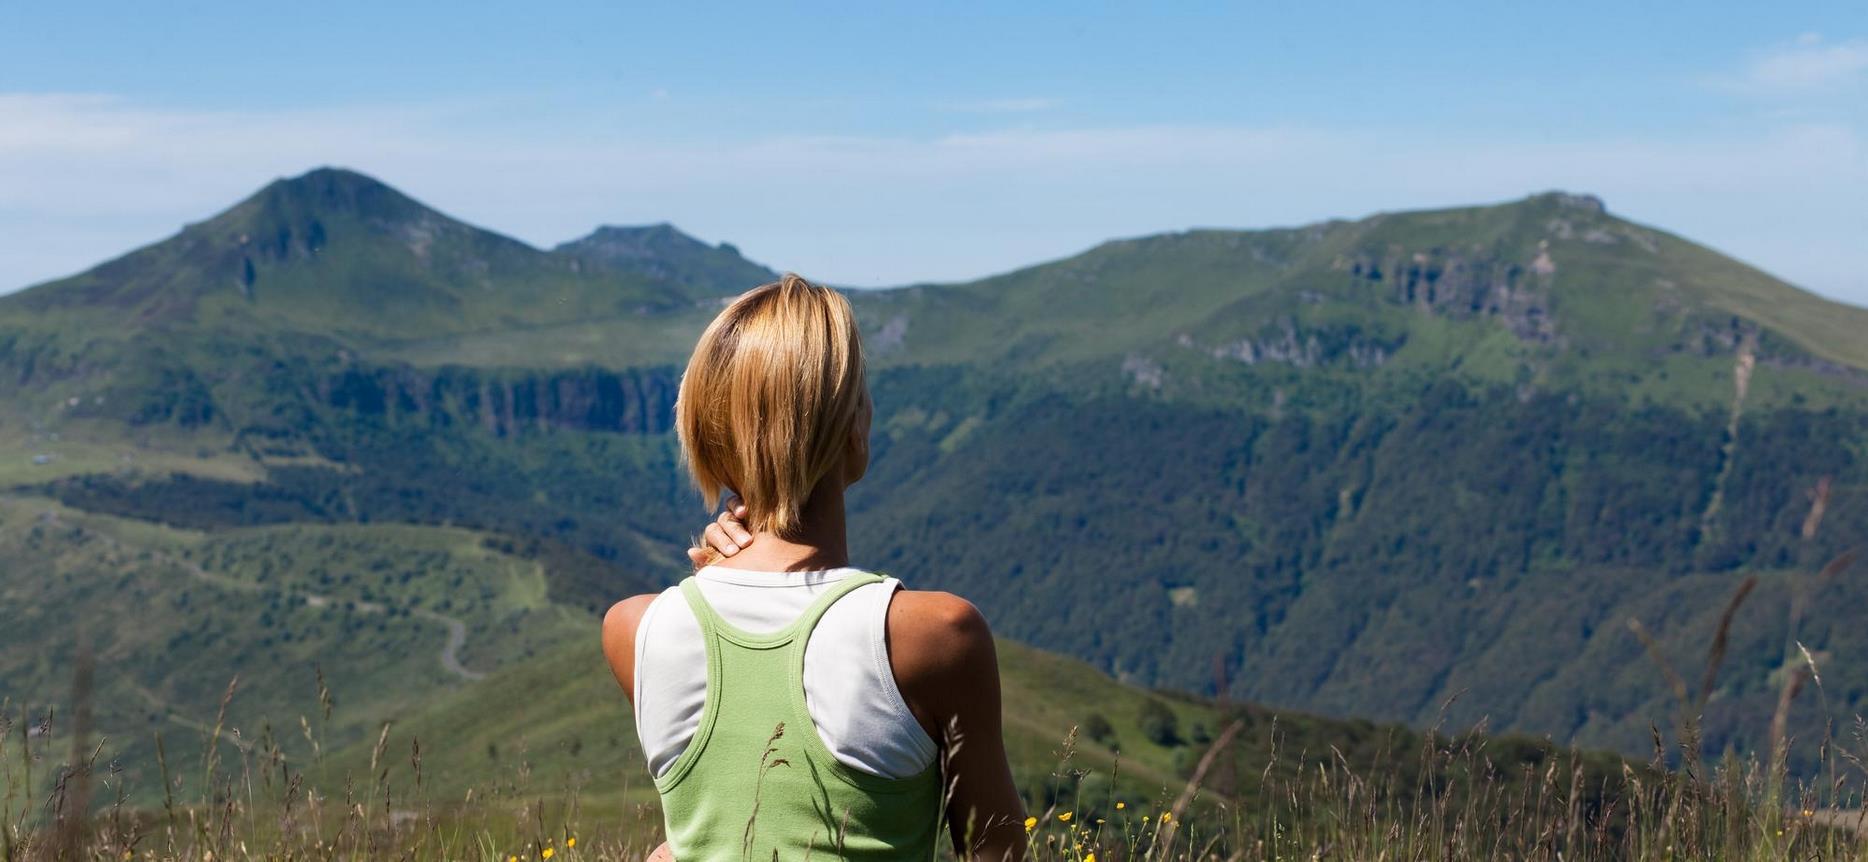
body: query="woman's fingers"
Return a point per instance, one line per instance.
(723, 538)
(734, 527)
(717, 539)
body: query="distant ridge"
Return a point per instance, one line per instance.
(336, 253)
(1556, 270)
(662, 251)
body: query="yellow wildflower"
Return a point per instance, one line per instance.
(1166, 816)
(1121, 805)
(570, 842)
(547, 854)
(1065, 817)
(1090, 858)
(1031, 823)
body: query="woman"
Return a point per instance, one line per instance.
(792, 706)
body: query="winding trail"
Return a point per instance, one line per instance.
(457, 638)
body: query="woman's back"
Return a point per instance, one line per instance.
(755, 779)
(850, 690)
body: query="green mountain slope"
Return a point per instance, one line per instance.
(1549, 290)
(1359, 467)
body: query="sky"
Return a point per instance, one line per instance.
(880, 144)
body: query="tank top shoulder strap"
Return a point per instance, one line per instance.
(807, 621)
(704, 613)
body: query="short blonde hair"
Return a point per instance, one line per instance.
(770, 398)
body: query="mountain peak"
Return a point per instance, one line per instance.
(663, 251)
(618, 242)
(333, 177)
(331, 191)
(271, 256)
(1571, 200)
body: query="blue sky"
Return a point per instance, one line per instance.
(879, 144)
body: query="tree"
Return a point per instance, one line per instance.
(1159, 724)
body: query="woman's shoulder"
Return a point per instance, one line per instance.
(620, 622)
(935, 613)
(937, 636)
(619, 637)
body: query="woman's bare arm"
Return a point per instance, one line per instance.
(619, 649)
(942, 653)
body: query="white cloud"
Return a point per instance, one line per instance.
(1806, 63)
(83, 178)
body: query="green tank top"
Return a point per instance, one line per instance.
(757, 783)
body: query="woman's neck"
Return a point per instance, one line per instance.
(819, 542)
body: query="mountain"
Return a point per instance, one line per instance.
(1374, 467)
(1365, 468)
(661, 251)
(1552, 282)
(339, 255)
(331, 266)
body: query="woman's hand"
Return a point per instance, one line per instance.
(723, 538)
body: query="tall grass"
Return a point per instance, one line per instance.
(1458, 797)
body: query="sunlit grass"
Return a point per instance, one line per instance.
(1456, 798)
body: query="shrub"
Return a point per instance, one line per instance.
(1159, 724)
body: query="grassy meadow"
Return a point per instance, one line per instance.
(1427, 797)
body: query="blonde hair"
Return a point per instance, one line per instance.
(770, 398)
